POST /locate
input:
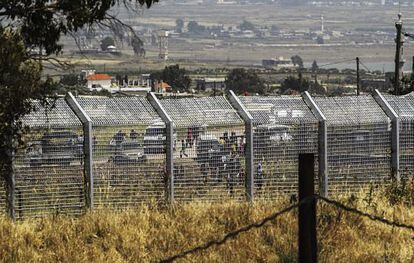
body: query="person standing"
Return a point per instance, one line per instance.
(133, 135)
(183, 147)
(259, 175)
(190, 137)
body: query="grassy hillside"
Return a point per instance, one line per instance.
(151, 233)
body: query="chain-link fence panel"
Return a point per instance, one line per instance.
(209, 152)
(404, 107)
(283, 127)
(129, 144)
(359, 142)
(49, 170)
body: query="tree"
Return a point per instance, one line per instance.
(138, 46)
(38, 25)
(20, 82)
(293, 85)
(194, 27)
(179, 25)
(315, 66)
(297, 60)
(338, 91)
(241, 81)
(106, 42)
(246, 25)
(175, 76)
(70, 80)
(42, 24)
(274, 29)
(319, 40)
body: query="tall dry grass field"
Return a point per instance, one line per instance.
(151, 233)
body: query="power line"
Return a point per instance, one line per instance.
(335, 63)
(365, 66)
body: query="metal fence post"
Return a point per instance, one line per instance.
(169, 125)
(323, 144)
(395, 133)
(87, 146)
(248, 121)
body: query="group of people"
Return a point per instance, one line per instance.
(120, 136)
(233, 143)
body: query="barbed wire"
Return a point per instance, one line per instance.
(235, 233)
(364, 214)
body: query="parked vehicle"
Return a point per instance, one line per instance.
(217, 160)
(209, 150)
(155, 139)
(128, 152)
(268, 139)
(54, 148)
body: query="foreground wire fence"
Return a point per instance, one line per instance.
(92, 152)
(273, 217)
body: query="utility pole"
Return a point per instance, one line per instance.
(358, 80)
(399, 62)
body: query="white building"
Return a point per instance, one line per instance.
(99, 82)
(278, 63)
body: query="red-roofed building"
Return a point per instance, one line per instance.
(162, 87)
(99, 82)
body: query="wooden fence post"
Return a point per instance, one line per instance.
(307, 210)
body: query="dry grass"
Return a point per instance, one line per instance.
(152, 232)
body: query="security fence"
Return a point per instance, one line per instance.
(208, 148)
(128, 148)
(48, 173)
(91, 152)
(404, 108)
(283, 128)
(358, 142)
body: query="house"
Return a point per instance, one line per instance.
(278, 63)
(162, 87)
(372, 84)
(99, 82)
(211, 84)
